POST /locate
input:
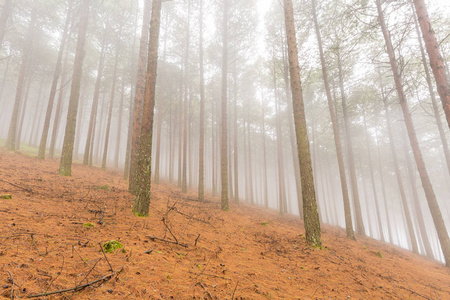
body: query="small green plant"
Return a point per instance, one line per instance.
(265, 223)
(377, 254)
(364, 246)
(168, 276)
(88, 225)
(112, 245)
(104, 187)
(7, 196)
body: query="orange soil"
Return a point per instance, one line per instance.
(248, 252)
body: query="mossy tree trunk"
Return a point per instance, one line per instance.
(139, 98)
(311, 216)
(65, 166)
(143, 175)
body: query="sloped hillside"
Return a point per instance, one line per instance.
(52, 228)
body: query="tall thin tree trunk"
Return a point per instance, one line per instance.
(280, 161)
(93, 117)
(111, 105)
(37, 113)
(65, 166)
(336, 133)
(224, 113)
(201, 155)
(160, 115)
(139, 98)
(426, 182)
(142, 201)
(311, 216)
(23, 109)
(186, 101)
(351, 161)
(126, 169)
(58, 111)
(407, 214)
(250, 159)
(383, 191)
(56, 74)
(294, 151)
(79, 129)
(419, 214)
(372, 179)
(5, 74)
(433, 97)
(436, 61)
(263, 133)
(119, 127)
(27, 50)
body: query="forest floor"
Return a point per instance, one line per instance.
(246, 253)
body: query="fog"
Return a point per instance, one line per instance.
(262, 148)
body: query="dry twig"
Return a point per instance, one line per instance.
(154, 238)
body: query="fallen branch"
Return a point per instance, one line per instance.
(154, 238)
(196, 240)
(18, 186)
(170, 231)
(235, 288)
(11, 278)
(77, 288)
(103, 251)
(203, 287)
(413, 292)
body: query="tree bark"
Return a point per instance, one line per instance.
(65, 166)
(142, 201)
(311, 216)
(433, 97)
(426, 182)
(139, 98)
(436, 60)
